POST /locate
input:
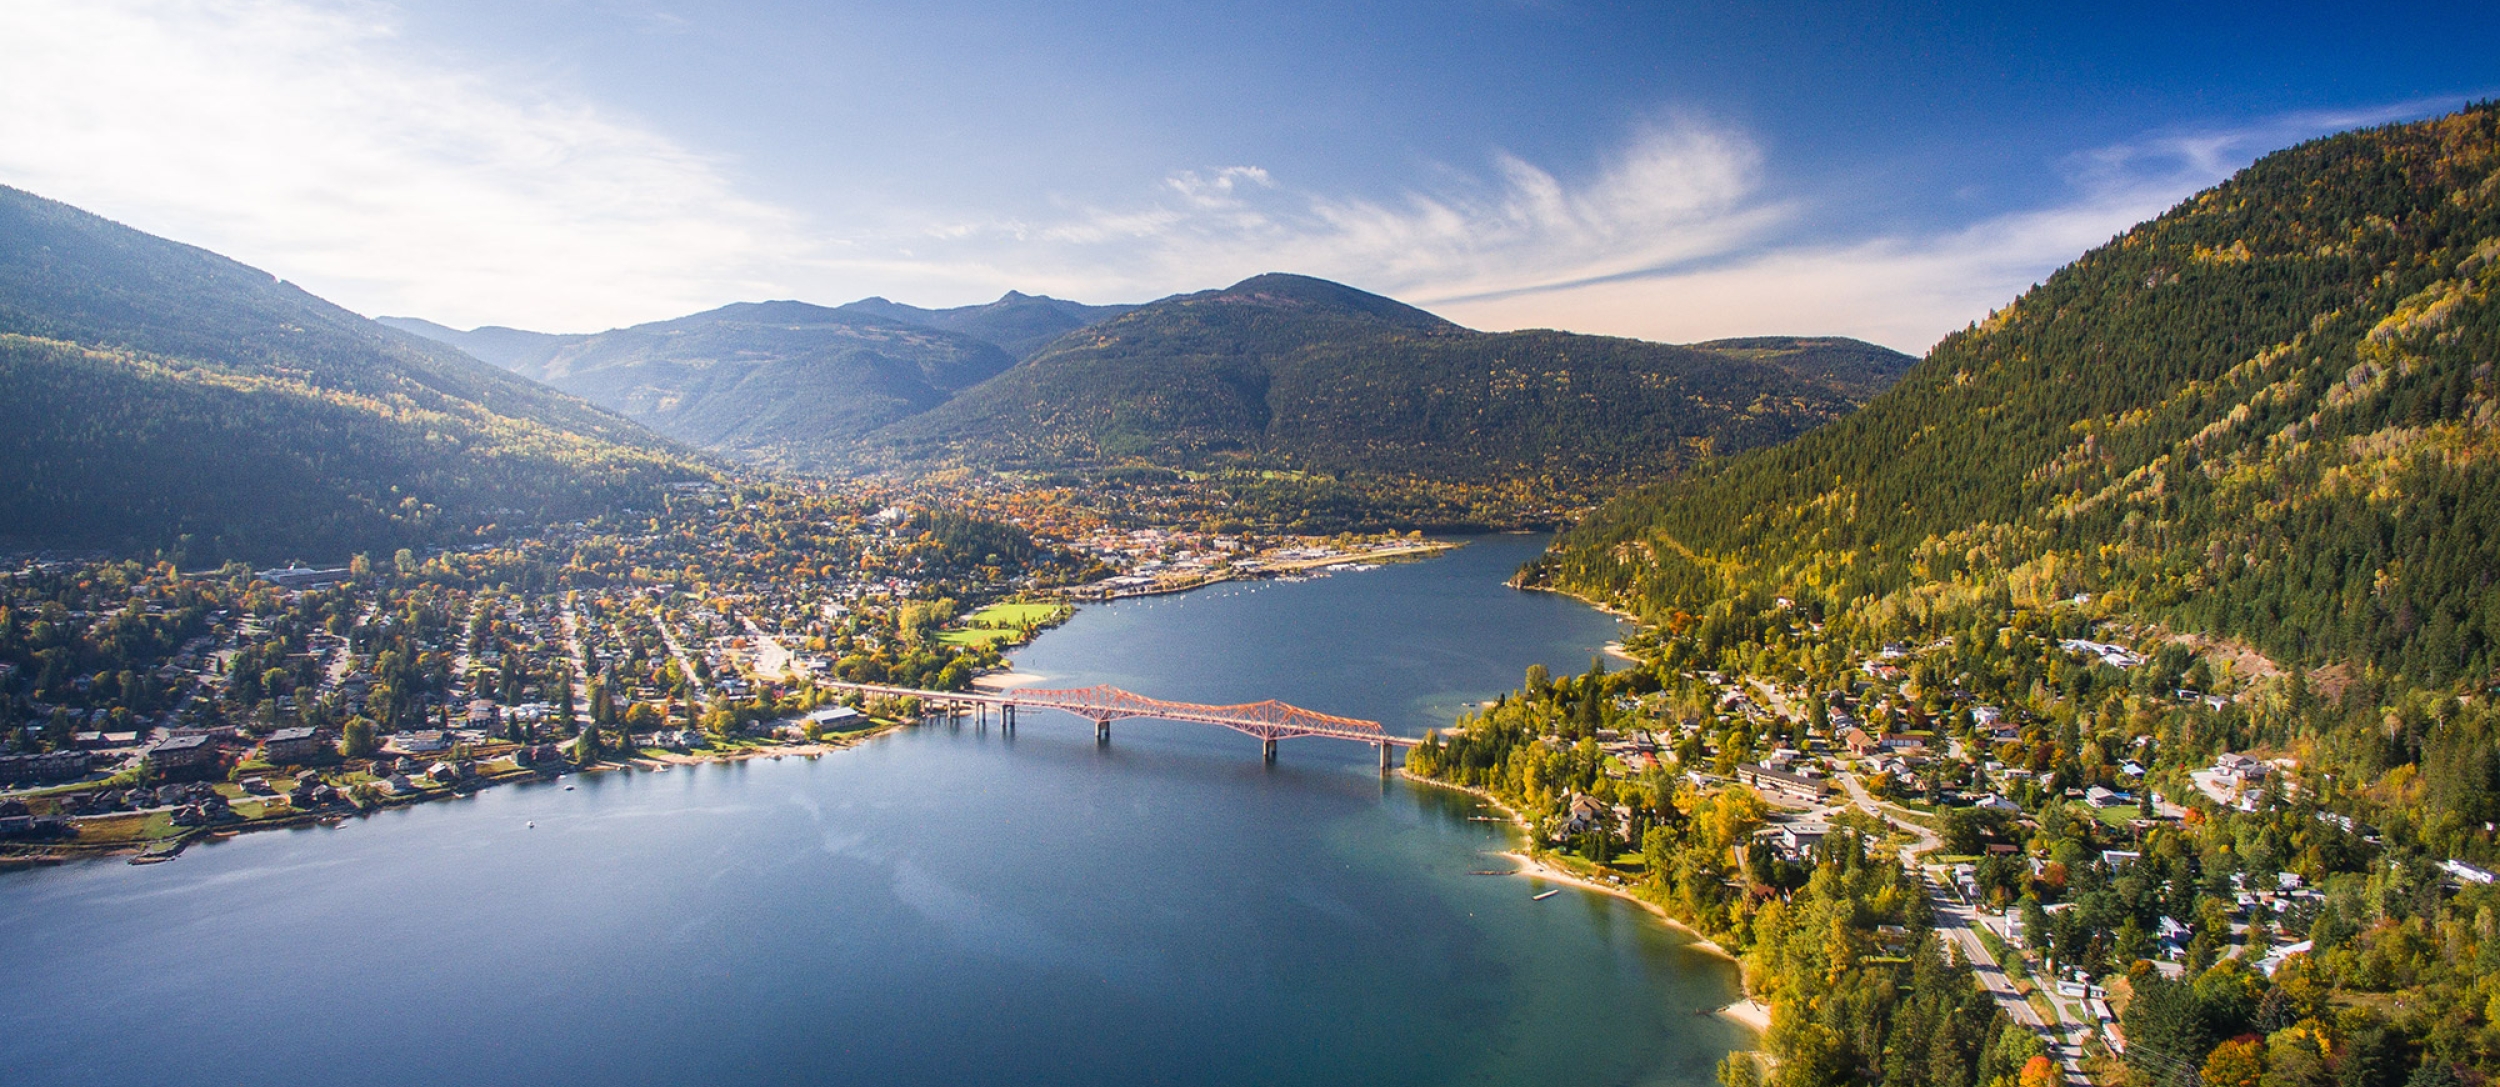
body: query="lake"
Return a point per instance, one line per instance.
(944, 905)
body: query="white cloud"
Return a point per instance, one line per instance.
(1906, 290)
(307, 139)
(1675, 191)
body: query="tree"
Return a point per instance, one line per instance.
(2373, 1057)
(2166, 1029)
(357, 740)
(2236, 1063)
(2040, 1071)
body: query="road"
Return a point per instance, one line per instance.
(1960, 924)
(580, 659)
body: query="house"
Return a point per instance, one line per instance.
(2466, 873)
(420, 742)
(47, 766)
(301, 577)
(293, 745)
(1860, 743)
(1799, 839)
(2274, 959)
(182, 753)
(837, 718)
(2239, 769)
(2116, 656)
(1782, 782)
(2174, 937)
(679, 739)
(483, 714)
(2100, 797)
(1993, 802)
(1584, 815)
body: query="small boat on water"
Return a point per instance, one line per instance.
(1546, 895)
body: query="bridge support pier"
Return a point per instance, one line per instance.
(1384, 760)
(1007, 717)
(1267, 751)
(1102, 730)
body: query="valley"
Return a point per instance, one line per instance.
(2103, 697)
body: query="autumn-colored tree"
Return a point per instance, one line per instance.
(2239, 1062)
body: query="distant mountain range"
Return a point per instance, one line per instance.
(1020, 324)
(782, 384)
(154, 395)
(1293, 372)
(2270, 413)
(1278, 371)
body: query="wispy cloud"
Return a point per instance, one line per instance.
(307, 139)
(1906, 289)
(1675, 191)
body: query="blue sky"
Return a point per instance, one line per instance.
(1674, 171)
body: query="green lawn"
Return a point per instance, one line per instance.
(1015, 615)
(978, 636)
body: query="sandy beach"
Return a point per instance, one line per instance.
(1006, 681)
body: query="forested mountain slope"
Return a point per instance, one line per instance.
(1020, 324)
(786, 384)
(518, 350)
(155, 395)
(2269, 413)
(1283, 371)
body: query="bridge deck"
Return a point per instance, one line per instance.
(1269, 720)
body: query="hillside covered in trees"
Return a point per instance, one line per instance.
(1019, 323)
(2220, 494)
(1292, 373)
(158, 396)
(2268, 414)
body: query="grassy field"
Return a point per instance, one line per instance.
(1015, 615)
(1003, 624)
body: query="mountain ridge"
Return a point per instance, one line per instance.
(1296, 372)
(2268, 413)
(331, 432)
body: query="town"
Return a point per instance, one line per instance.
(2096, 814)
(142, 706)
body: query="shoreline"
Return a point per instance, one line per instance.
(1077, 595)
(1599, 605)
(169, 847)
(1746, 1012)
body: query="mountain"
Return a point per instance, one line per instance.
(1020, 324)
(513, 349)
(785, 384)
(156, 395)
(2269, 414)
(1287, 371)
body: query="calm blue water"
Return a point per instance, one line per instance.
(943, 906)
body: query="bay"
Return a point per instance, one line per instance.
(945, 905)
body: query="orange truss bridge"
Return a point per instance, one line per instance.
(1270, 720)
